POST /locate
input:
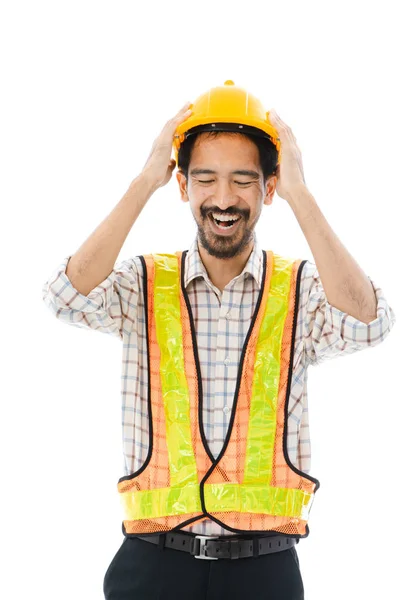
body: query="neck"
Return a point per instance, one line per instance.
(222, 271)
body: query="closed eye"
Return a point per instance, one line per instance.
(211, 181)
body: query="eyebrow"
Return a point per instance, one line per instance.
(248, 173)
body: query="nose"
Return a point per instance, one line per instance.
(224, 196)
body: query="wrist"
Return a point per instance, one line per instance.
(148, 180)
(297, 194)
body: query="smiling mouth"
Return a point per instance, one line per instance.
(225, 225)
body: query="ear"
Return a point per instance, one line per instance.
(270, 189)
(182, 181)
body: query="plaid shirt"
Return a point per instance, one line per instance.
(221, 319)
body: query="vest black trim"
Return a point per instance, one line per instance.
(289, 384)
(146, 311)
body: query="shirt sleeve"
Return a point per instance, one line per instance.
(111, 307)
(328, 331)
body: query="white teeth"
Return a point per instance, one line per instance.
(224, 217)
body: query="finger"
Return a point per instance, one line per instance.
(283, 127)
(184, 107)
(277, 121)
(180, 117)
(180, 114)
(172, 124)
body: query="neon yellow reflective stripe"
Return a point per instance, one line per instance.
(261, 499)
(161, 502)
(262, 418)
(219, 497)
(174, 386)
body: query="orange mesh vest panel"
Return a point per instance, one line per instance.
(251, 487)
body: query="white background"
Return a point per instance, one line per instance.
(86, 87)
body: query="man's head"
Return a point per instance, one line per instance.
(231, 174)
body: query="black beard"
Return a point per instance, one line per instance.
(222, 246)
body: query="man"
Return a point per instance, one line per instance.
(217, 341)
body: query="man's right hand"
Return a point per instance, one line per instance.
(159, 166)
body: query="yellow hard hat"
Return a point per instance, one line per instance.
(227, 108)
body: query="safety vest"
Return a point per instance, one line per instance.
(252, 486)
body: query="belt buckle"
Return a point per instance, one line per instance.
(203, 539)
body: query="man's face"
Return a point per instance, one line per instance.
(225, 180)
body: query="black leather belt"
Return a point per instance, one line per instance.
(213, 548)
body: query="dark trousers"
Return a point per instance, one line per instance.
(142, 571)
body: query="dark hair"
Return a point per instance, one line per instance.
(267, 152)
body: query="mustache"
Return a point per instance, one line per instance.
(206, 211)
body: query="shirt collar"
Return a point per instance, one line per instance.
(194, 266)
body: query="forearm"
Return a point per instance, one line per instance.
(346, 285)
(95, 259)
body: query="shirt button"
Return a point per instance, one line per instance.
(228, 315)
(226, 409)
(227, 360)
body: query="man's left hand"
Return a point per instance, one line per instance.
(290, 171)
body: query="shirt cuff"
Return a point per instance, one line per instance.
(63, 294)
(355, 332)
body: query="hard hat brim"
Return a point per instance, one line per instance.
(236, 127)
